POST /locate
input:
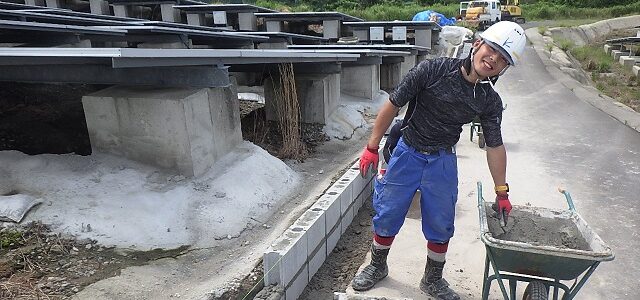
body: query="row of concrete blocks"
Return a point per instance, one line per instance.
(624, 56)
(296, 256)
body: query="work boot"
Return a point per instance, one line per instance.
(374, 272)
(433, 284)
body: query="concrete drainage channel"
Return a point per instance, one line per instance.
(296, 256)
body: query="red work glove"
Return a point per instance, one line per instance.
(369, 156)
(502, 198)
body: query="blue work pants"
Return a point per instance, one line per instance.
(435, 175)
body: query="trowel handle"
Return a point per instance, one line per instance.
(569, 200)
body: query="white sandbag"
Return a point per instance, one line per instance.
(14, 207)
(455, 35)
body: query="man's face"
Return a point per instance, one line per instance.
(487, 61)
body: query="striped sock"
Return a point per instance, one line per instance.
(382, 242)
(437, 251)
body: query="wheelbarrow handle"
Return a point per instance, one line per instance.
(569, 200)
(561, 190)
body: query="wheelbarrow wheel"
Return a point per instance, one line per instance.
(536, 290)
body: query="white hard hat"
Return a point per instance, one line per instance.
(508, 38)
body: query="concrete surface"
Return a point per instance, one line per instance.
(182, 129)
(318, 95)
(557, 134)
(360, 81)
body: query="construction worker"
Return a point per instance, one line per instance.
(448, 93)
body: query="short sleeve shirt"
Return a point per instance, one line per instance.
(445, 102)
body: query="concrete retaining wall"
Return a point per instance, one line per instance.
(296, 256)
(589, 33)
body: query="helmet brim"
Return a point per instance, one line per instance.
(499, 49)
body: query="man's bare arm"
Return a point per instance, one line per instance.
(497, 160)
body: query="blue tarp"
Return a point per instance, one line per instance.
(427, 15)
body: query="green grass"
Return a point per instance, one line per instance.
(564, 44)
(9, 237)
(618, 83)
(542, 30)
(547, 11)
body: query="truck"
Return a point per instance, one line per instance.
(483, 13)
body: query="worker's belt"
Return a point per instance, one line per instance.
(448, 150)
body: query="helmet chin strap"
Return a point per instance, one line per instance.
(469, 66)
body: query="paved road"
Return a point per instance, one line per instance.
(553, 139)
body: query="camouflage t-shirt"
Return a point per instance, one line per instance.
(445, 102)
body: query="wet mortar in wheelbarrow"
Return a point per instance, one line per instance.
(528, 225)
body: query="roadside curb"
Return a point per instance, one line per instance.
(591, 95)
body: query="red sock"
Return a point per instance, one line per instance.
(382, 242)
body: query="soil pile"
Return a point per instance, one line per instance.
(527, 227)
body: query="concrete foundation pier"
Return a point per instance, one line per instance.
(390, 75)
(360, 80)
(176, 128)
(318, 94)
(408, 64)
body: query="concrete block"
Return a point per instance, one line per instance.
(360, 81)
(296, 287)
(170, 14)
(358, 181)
(183, 129)
(121, 10)
(220, 18)
(99, 7)
(313, 223)
(617, 53)
(195, 19)
(628, 61)
(317, 259)
(54, 3)
(376, 34)
(408, 64)
(34, 2)
(390, 76)
(332, 213)
(318, 95)
(285, 258)
(423, 38)
(608, 48)
(361, 34)
(247, 21)
(331, 29)
(347, 218)
(332, 238)
(635, 70)
(359, 202)
(399, 33)
(346, 198)
(274, 26)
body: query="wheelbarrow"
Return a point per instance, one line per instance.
(476, 128)
(543, 267)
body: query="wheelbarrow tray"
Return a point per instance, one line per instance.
(542, 260)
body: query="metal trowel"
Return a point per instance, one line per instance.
(501, 215)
